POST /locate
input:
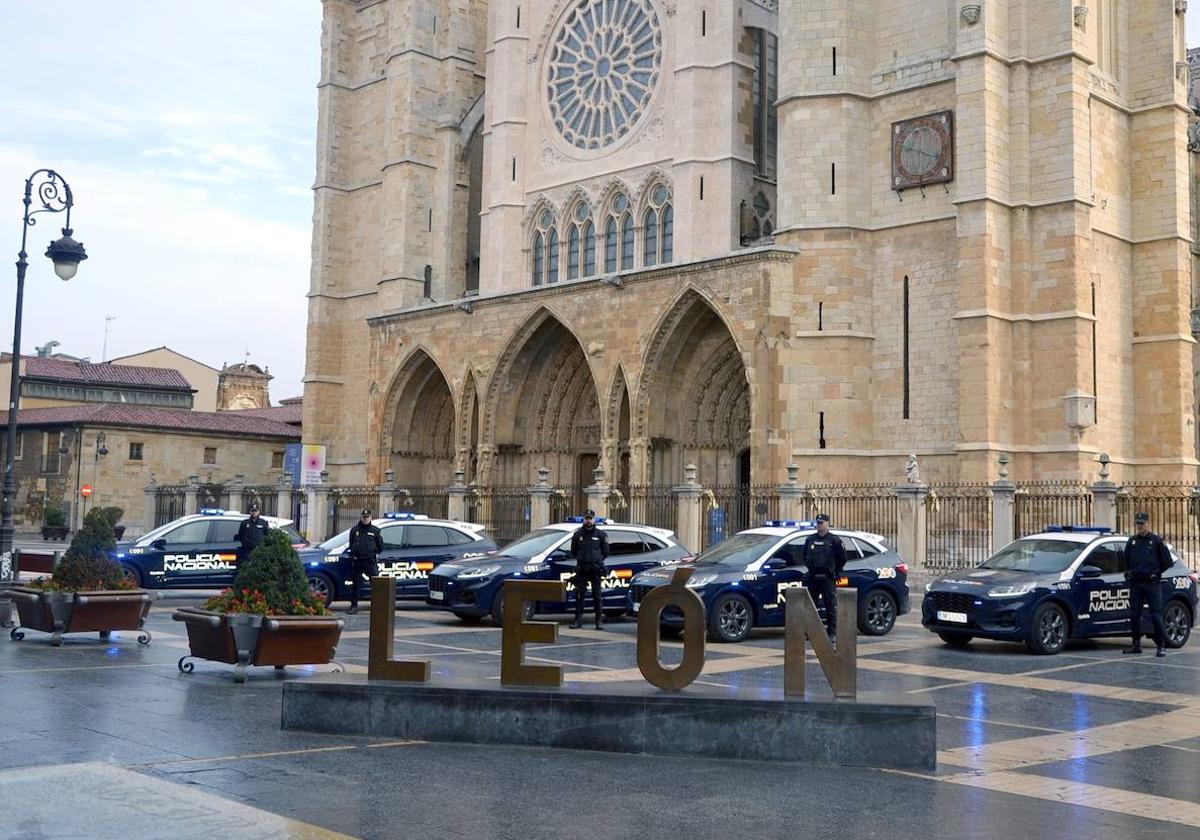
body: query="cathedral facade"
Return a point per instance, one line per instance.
(638, 234)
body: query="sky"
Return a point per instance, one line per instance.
(187, 131)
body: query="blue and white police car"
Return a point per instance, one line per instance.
(1048, 588)
(743, 580)
(197, 551)
(471, 590)
(413, 546)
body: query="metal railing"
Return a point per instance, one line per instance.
(735, 507)
(653, 505)
(958, 526)
(168, 503)
(265, 496)
(503, 511)
(1040, 504)
(346, 505)
(858, 507)
(432, 501)
(212, 496)
(1174, 509)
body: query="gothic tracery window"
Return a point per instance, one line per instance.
(544, 249)
(658, 227)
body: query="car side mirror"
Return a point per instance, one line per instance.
(1090, 571)
(776, 562)
(159, 544)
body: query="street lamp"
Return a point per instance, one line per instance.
(54, 195)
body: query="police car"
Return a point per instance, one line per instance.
(471, 590)
(1044, 589)
(413, 545)
(743, 581)
(197, 551)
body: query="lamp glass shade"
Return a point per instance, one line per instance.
(65, 270)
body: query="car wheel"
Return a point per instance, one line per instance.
(468, 618)
(731, 619)
(877, 615)
(1178, 623)
(498, 608)
(955, 639)
(1048, 633)
(131, 574)
(321, 585)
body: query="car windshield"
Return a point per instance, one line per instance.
(531, 545)
(337, 542)
(1041, 556)
(740, 550)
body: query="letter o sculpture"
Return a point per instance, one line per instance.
(674, 594)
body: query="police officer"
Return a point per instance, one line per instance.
(366, 544)
(1147, 557)
(250, 533)
(825, 556)
(589, 547)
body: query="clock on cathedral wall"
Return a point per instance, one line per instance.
(923, 150)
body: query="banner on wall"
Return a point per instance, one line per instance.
(312, 463)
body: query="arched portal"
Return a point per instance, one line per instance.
(420, 443)
(694, 399)
(468, 425)
(545, 411)
(618, 432)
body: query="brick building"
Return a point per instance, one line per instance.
(642, 233)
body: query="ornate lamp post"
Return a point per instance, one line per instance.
(54, 196)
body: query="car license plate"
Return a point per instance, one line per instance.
(437, 596)
(636, 606)
(957, 618)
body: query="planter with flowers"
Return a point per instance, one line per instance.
(268, 617)
(87, 593)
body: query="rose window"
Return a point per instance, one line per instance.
(603, 69)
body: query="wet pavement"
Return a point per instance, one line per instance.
(111, 740)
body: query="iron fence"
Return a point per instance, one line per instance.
(503, 511)
(432, 501)
(1174, 509)
(212, 496)
(729, 508)
(861, 507)
(265, 496)
(1041, 504)
(653, 505)
(958, 526)
(563, 504)
(346, 505)
(168, 503)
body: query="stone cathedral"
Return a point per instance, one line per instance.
(640, 234)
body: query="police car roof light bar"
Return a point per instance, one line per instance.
(1078, 529)
(578, 520)
(211, 512)
(405, 516)
(789, 523)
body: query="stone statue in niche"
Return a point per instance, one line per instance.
(912, 472)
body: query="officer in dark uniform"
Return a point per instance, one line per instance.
(589, 547)
(825, 557)
(1147, 557)
(366, 544)
(250, 533)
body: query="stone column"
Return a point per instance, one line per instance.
(191, 494)
(539, 500)
(318, 509)
(690, 518)
(597, 494)
(458, 497)
(1104, 497)
(912, 512)
(283, 496)
(151, 505)
(793, 496)
(387, 494)
(639, 461)
(236, 489)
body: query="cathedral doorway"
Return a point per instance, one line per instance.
(421, 444)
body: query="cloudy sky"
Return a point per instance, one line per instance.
(186, 129)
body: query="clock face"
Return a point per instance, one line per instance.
(923, 150)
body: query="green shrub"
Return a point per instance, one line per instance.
(54, 517)
(274, 570)
(87, 563)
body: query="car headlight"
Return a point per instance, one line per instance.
(1012, 590)
(479, 572)
(697, 581)
(929, 586)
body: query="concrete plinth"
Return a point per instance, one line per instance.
(876, 730)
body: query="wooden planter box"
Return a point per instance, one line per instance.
(100, 611)
(55, 532)
(243, 640)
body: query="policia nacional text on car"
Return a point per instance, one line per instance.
(825, 556)
(366, 544)
(250, 533)
(1147, 557)
(589, 547)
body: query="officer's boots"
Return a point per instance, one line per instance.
(577, 623)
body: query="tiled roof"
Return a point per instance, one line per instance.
(283, 413)
(177, 419)
(87, 373)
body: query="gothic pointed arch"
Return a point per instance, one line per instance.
(468, 429)
(693, 397)
(542, 406)
(618, 428)
(418, 426)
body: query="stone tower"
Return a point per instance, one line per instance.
(243, 385)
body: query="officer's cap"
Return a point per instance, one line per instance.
(822, 517)
(365, 512)
(254, 508)
(589, 514)
(1141, 517)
